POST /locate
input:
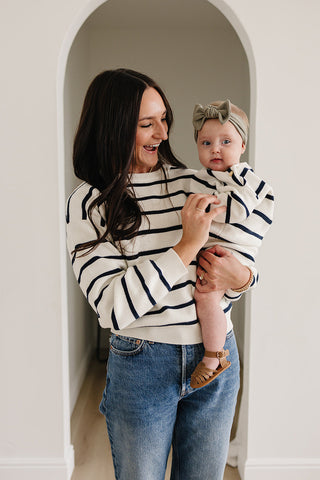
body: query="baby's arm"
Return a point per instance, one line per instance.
(240, 190)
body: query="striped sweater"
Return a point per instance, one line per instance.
(146, 291)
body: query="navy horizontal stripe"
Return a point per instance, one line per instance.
(98, 299)
(159, 212)
(270, 197)
(114, 321)
(263, 216)
(179, 178)
(239, 200)
(74, 254)
(84, 203)
(237, 181)
(171, 307)
(225, 310)
(204, 182)
(211, 173)
(247, 230)
(245, 171)
(159, 230)
(165, 181)
(68, 210)
(262, 184)
(161, 197)
(191, 322)
(213, 235)
(228, 212)
(90, 262)
(68, 203)
(184, 284)
(246, 255)
(163, 280)
(232, 298)
(129, 301)
(104, 274)
(124, 257)
(144, 285)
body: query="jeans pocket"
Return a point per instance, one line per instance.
(125, 346)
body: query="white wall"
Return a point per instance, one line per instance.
(284, 434)
(34, 438)
(282, 361)
(81, 318)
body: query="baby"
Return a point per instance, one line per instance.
(221, 132)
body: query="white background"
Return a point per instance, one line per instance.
(281, 41)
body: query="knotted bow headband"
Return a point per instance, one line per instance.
(223, 113)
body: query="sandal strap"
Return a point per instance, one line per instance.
(221, 356)
(202, 371)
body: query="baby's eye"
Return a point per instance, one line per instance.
(225, 142)
(206, 142)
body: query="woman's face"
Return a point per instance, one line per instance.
(152, 129)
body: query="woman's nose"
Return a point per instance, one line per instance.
(162, 131)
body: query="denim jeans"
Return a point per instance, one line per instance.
(149, 406)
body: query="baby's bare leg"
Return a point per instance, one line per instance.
(213, 324)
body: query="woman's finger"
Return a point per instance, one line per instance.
(200, 201)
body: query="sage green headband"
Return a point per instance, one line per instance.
(222, 113)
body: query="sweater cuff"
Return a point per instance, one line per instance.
(172, 265)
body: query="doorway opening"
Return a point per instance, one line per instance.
(197, 51)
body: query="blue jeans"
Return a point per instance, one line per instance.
(149, 406)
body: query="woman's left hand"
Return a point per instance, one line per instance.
(219, 269)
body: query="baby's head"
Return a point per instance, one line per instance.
(221, 133)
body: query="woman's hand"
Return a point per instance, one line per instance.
(196, 222)
(220, 270)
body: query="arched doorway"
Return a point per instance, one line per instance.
(195, 50)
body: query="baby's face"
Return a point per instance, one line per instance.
(219, 146)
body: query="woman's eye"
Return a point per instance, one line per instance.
(225, 142)
(145, 126)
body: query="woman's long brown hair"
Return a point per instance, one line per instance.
(104, 148)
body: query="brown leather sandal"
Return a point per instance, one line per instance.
(202, 375)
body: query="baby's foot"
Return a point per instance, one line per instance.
(211, 363)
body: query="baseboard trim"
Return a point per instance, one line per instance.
(282, 469)
(38, 468)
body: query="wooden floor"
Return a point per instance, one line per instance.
(89, 432)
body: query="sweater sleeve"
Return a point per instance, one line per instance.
(241, 191)
(120, 289)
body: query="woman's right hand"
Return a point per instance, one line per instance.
(196, 223)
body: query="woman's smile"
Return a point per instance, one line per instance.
(152, 129)
(151, 148)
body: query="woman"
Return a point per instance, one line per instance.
(133, 236)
